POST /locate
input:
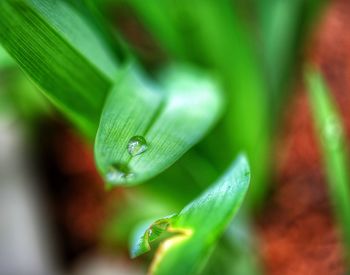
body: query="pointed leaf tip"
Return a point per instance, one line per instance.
(145, 128)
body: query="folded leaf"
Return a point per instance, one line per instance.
(197, 227)
(144, 128)
(61, 52)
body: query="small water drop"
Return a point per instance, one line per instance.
(137, 145)
(157, 229)
(118, 173)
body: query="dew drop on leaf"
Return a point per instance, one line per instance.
(118, 173)
(137, 145)
(156, 230)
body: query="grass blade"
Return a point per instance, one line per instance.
(197, 227)
(332, 139)
(61, 52)
(158, 16)
(171, 118)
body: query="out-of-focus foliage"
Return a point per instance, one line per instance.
(330, 132)
(18, 95)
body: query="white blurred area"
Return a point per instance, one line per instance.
(26, 235)
(102, 265)
(25, 243)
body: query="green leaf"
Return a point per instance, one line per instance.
(62, 53)
(197, 227)
(159, 17)
(206, 32)
(237, 250)
(169, 119)
(5, 60)
(332, 140)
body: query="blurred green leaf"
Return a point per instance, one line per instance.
(332, 140)
(284, 27)
(280, 23)
(160, 17)
(236, 251)
(197, 227)
(62, 53)
(168, 119)
(5, 59)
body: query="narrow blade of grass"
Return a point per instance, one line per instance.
(332, 140)
(158, 16)
(62, 53)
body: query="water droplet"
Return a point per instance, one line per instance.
(118, 173)
(157, 229)
(137, 145)
(153, 234)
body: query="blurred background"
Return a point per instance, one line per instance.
(56, 216)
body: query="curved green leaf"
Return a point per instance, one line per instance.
(62, 53)
(170, 119)
(197, 227)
